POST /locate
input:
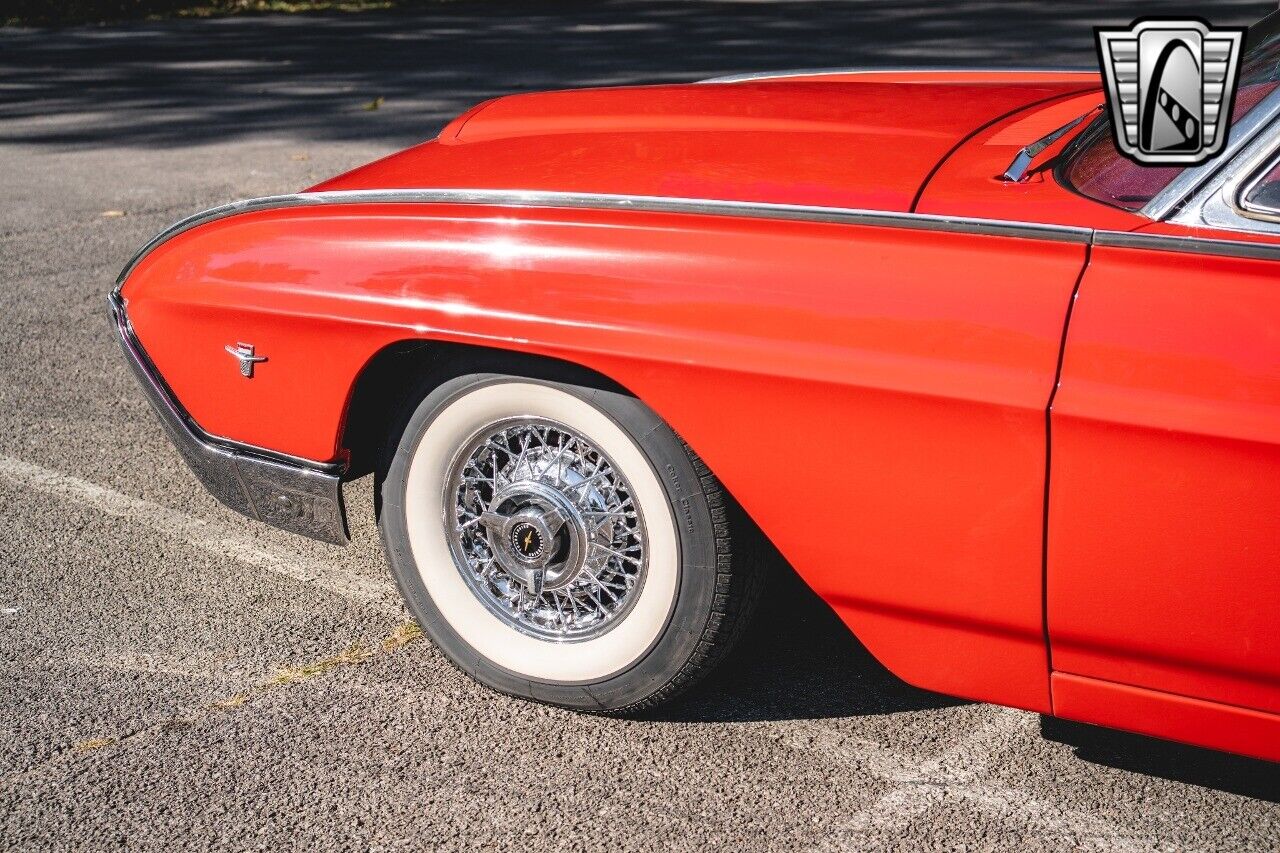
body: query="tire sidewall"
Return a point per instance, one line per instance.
(678, 640)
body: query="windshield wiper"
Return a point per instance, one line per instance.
(1028, 156)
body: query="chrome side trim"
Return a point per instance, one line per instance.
(602, 201)
(1188, 245)
(293, 494)
(1181, 188)
(867, 69)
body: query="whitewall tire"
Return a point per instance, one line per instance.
(529, 525)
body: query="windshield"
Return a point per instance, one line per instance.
(1096, 170)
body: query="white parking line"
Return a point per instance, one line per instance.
(913, 787)
(958, 773)
(206, 535)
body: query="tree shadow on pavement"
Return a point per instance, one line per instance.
(310, 76)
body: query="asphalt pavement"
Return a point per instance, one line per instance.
(174, 676)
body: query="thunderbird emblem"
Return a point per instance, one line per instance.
(244, 354)
(1170, 87)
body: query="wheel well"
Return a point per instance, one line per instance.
(400, 375)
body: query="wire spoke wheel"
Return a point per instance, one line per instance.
(545, 530)
(561, 543)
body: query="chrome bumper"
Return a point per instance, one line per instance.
(293, 494)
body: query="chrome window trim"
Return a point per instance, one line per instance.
(1186, 185)
(603, 201)
(1241, 197)
(1217, 203)
(868, 69)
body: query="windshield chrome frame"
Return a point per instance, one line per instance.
(1243, 132)
(1240, 197)
(1216, 203)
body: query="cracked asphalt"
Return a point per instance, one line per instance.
(174, 676)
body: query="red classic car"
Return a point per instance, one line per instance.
(1009, 402)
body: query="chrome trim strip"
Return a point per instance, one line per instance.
(1181, 188)
(293, 494)
(867, 69)
(1189, 245)
(1240, 198)
(649, 204)
(603, 201)
(1215, 204)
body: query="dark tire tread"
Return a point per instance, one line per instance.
(740, 581)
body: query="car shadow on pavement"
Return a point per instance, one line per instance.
(1233, 774)
(798, 660)
(802, 662)
(397, 76)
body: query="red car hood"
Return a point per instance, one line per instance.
(861, 142)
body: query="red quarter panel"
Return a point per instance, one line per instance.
(873, 396)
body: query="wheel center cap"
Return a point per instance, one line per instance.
(544, 529)
(527, 541)
(542, 545)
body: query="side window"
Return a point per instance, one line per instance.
(1260, 197)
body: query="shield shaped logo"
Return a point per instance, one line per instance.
(1170, 87)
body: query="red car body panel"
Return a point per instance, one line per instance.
(932, 356)
(986, 76)
(1166, 715)
(942, 379)
(969, 182)
(836, 144)
(1166, 445)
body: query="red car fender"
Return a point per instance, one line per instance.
(904, 370)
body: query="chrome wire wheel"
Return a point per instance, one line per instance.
(560, 543)
(545, 530)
